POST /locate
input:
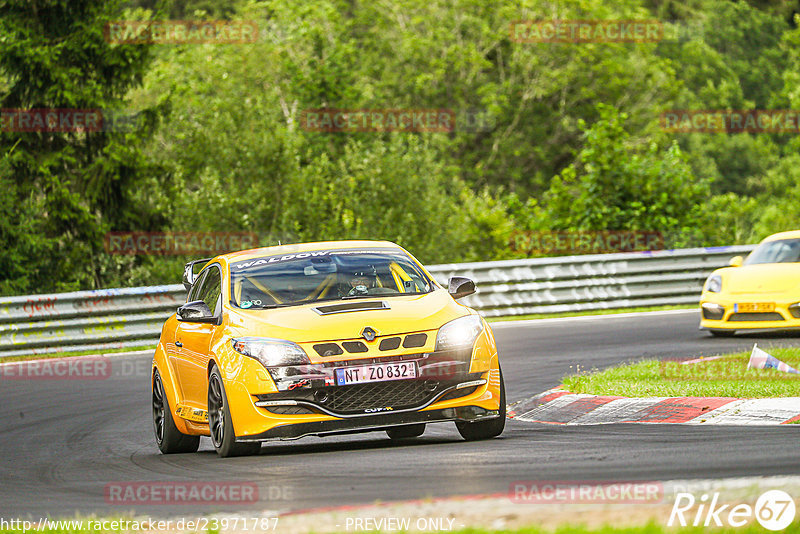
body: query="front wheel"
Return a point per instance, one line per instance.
(486, 429)
(169, 439)
(219, 421)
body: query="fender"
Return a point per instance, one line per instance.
(161, 363)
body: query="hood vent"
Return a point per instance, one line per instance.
(351, 307)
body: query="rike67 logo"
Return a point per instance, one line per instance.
(774, 510)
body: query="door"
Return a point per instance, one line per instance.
(194, 339)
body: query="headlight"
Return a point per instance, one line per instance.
(459, 333)
(271, 352)
(713, 284)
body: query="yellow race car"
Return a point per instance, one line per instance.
(760, 292)
(321, 338)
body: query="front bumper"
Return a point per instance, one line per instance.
(455, 385)
(726, 312)
(284, 415)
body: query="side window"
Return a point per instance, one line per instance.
(195, 291)
(211, 288)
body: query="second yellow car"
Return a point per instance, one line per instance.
(756, 293)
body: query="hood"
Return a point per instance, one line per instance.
(761, 278)
(302, 324)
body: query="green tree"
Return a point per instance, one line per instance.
(613, 185)
(730, 57)
(70, 186)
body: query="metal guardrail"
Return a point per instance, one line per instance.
(590, 282)
(98, 320)
(132, 317)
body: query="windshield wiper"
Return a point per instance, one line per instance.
(269, 306)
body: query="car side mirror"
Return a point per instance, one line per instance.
(736, 261)
(458, 287)
(196, 311)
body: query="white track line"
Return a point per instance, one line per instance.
(772, 411)
(616, 411)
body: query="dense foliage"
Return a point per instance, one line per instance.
(548, 136)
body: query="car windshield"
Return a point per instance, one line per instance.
(780, 251)
(306, 277)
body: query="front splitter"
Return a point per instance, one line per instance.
(371, 423)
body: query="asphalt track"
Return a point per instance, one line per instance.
(64, 441)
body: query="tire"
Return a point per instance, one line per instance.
(721, 333)
(486, 429)
(219, 421)
(169, 439)
(406, 431)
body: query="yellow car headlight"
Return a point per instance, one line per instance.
(713, 284)
(271, 352)
(459, 333)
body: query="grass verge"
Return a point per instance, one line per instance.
(726, 376)
(610, 311)
(649, 528)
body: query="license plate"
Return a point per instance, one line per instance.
(754, 307)
(359, 374)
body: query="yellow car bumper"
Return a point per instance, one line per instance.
(747, 312)
(260, 423)
(453, 386)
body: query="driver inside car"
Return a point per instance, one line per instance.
(360, 283)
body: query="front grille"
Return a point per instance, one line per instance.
(794, 309)
(328, 349)
(354, 346)
(756, 316)
(396, 393)
(389, 343)
(414, 341)
(356, 398)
